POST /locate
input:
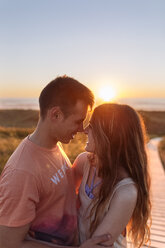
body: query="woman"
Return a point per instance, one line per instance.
(114, 192)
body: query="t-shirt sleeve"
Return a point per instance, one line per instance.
(19, 197)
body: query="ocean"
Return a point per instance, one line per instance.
(156, 104)
(19, 103)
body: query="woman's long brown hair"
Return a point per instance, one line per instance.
(120, 139)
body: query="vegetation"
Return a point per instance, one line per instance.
(17, 124)
(9, 140)
(161, 149)
(18, 118)
(155, 122)
(11, 137)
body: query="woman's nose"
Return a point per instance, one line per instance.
(81, 128)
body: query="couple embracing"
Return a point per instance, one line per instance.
(39, 206)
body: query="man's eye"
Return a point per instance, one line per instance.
(79, 122)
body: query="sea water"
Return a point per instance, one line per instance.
(19, 103)
(137, 103)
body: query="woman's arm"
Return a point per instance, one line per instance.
(15, 237)
(120, 211)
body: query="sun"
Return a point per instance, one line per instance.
(107, 93)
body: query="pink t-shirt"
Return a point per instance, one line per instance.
(37, 187)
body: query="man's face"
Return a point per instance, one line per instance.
(70, 125)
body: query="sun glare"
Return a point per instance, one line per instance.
(107, 93)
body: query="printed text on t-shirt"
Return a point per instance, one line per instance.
(59, 174)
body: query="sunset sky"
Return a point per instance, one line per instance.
(120, 43)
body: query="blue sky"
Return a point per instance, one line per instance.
(116, 42)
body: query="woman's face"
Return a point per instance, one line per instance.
(90, 145)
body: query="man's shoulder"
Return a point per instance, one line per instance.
(24, 146)
(22, 157)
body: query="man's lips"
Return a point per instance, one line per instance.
(73, 135)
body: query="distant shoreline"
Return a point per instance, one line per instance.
(145, 104)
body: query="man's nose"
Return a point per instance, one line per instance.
(86, 130)
(81, 128)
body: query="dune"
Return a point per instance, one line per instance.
(16, 124)
(19, 118)
(154, 120)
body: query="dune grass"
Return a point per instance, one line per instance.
(11, 137)
(9, 140)
(17, 124)
(18, 118)
(161, 149)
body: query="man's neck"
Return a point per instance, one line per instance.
(42, 138)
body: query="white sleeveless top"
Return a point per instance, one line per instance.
(84, 210)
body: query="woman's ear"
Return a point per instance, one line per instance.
(55, 113)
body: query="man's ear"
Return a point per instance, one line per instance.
(55, 113)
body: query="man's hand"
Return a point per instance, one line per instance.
(97, 242)
(11, 237)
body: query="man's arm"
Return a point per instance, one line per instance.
(15, 237)
(12, 236)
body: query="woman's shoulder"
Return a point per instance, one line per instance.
(81, 162)
(82, 156)
(126, 189)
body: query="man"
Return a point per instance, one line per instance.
(37, 195)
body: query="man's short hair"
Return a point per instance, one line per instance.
(64, 92)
